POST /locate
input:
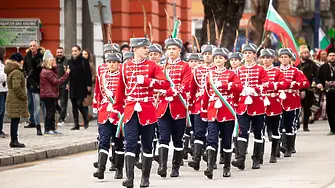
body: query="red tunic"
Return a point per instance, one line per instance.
(198, 82)
(180, 74)
(297, 81)
(252, 76)
(132, 96)
(106, 84)
(229, 84)
(279, 83)
(101, 69)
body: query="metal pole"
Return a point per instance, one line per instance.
(316, 23)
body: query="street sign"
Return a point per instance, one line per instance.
(105, 10)
(19, 32)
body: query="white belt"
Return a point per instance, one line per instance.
(144, 99)
(271, 94)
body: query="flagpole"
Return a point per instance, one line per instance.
(316, 23)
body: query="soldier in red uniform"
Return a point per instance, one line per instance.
(134, 98)
(273, 102)
(250, 107)
(171, 110)
(196, 92)
(289, 98)
(220, 118)
(106, 83)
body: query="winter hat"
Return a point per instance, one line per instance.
(173, 41)
(285, 51)
(155, 48)
(220, 51)
(249, 47)
(236, 55)
(16, 57)
(267, 53)
(47, 55)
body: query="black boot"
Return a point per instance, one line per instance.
(221, 154)
(156, 157)
(146, 168)
(192, 139)
(16, 144)
(283, 146)
(242, 148)
(215, 159)
(95, 164)
(130, 164)
(261, 159)
(38, 130)
(288, 152)
(138, 154)
(76, 127)
(163, 157)
(176, 160)
(119, 162)
(112, 160)
(195, 163)
(256, 155)
(226, 167)
(102, 159)
(293, 144)
(236, 147)
(204, 155)
(210, 164)
(186, 148)
(274, 149)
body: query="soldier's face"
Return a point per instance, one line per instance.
(219, 60)
(155, 56)
(173, 52)
(267, 61)
(208, 57)
(234, 63)
(284, 59)
(249, 56)
(113, 65)
(331, 57)
(193, 63)
(141, 52)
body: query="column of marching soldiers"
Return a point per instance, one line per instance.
(206, 108)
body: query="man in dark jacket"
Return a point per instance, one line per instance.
(310, 70)
(62, 64)
(32, 68)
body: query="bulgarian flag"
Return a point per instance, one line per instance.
(277, 25)
(324, 43)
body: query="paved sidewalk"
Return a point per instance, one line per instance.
(41, 147)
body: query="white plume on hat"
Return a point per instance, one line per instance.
(47, 55)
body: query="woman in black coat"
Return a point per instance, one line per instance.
(80, 84)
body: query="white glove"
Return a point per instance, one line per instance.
(292, 84)
(109, 107)
(95, 111)
(250, 91)
(218, 84)
(140, 79)
(109, 93)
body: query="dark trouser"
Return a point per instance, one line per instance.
(63, 97)
(30, 106)
(273, 123)
(2, 108)
(200, 129)
(289, 122)
(190, 129)
(226, 131)
(106, 132)
(330, 109)
(257, 123)
(14, 127)
(306, 104)
(77, 104)
(50, 105)
(132, 129)
(169, 127)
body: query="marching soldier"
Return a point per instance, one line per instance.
(155, 53)
(138, 78)
(172, 108)
(289, 97)
(196, 93)
(310, 70)
(273, 107)
(128, 56)
(106, 84)
(327, 79)
(219, 105)
(250, 107)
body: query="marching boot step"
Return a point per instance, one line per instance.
(95, 164)
(99, 174)
(255, 164)
(129, 164)
(226, 167)
(273, 159)
(194, 164)
(118, 174)
(208, 173)
(174, 173)
(163, 157)
(226, 172)
(162, 173)
(146, 169)
(288, 153)
(102, 159)
(128, 183)
(144, 182)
